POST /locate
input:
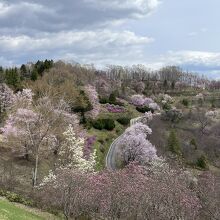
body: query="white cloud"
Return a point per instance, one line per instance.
(91, 46)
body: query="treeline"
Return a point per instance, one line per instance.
(167, 75)
(14, 76)
(135, 77)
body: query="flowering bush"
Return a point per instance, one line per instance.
(212, 114)
(142, 103)
(165, 99)
(199, 96)
(115, 108)
(88, 146)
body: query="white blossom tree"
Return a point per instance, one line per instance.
(72, 155)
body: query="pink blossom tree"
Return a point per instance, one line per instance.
(134, 145)
(129, 193)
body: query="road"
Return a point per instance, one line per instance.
(111, 156)
(110, 162)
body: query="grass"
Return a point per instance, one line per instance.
(9, 211)
(14, 211)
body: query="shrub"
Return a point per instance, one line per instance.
(124, 120)
(13, 197)
(193, 143)
(144, 109)
(98, 124)
(167, 107)
(185, 102)
(112, 98)
(173, 115)
(101, 124)
(103, 100)
(109, 124)
(202, 162)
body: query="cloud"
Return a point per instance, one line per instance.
(34, 16)
(97, 46)
(199, 32)
(202, 62)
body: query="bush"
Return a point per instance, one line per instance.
(167, 107)
(112, 98)
(109, 124)
(101, 124)
(124, 120)
(185, 102)
(173, 115)
(103, 100)
(13, 197)
(202, 162)
(193, 143)
(144, 109)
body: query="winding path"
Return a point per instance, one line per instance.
(110, 161)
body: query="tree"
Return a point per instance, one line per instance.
(93, 100)
(12, 78)
(135, 192)
(34, 74)
(135, 147)
(6, 98)
(71, 153)
(34, 129)
(173, 143)
(165, 85)
(23, 69)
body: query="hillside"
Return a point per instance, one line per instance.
(58, 121)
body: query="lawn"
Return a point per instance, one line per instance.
(10, 211)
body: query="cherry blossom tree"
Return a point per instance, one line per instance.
(134, 145)
(23, 99)
(36, 129)
(6, 98)
(142, 101)
(94, 100)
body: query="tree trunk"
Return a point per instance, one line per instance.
(35, 170)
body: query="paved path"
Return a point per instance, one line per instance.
(111, 156)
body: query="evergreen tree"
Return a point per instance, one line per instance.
(112, 98)
(12, 78)
(165, 84)
(34, 74)
(173, 143)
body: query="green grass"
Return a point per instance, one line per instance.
(8, 211)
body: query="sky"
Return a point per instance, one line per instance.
(155, 33)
